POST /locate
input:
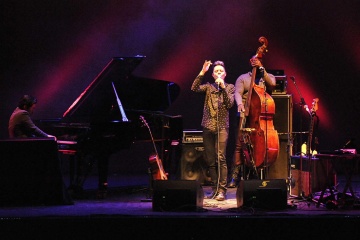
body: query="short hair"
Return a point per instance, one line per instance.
(218, 63)
(27, 101)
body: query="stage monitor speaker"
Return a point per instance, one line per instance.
(177, 195)
(30, 173)
(283, 124)
(265, 194)
(192, 163)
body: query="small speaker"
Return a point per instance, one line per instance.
(265, 194)
(192, 163)
(177, 195)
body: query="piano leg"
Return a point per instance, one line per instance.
(72, 167)
(80, 165)
(103, 170)
(75, 171)
(78, 171)
(75, 187)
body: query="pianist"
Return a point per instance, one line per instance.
(20, 123)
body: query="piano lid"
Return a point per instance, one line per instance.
(99, 103)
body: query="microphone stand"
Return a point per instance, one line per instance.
(218, 141)
(301, 104)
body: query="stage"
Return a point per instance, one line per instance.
(128, 210)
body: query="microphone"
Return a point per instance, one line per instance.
(218, 85)
(218, 82)
(292, 78)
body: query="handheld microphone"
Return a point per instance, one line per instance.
(218, 85)
(218, 80)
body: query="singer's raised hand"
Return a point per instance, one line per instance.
(205, 67)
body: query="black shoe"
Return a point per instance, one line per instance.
(233, 183)
(235, 172)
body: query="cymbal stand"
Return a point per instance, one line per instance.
(313, 115)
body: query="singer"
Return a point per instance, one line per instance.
(242, 86)
(219, 98)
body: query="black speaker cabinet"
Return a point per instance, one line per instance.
(192, 163)
(283, 124)
(30, 173)
(283, 113)
(265, 194)
(177, 195)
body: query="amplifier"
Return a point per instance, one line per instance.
(192, 136)
(281, 84)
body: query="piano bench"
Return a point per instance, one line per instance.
(67, 147)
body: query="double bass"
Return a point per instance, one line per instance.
(260, 137)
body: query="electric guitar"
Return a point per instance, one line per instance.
(156, 166)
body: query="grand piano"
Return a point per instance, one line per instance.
(106, 117)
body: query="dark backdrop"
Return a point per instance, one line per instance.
(54, 49)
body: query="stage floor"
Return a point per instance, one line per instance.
(128, 206)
